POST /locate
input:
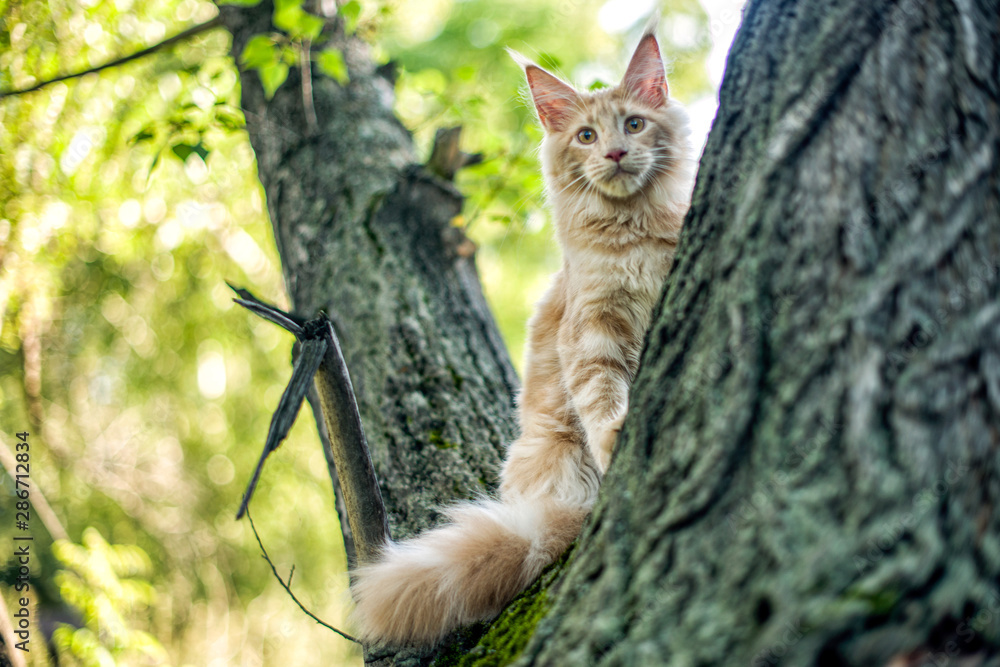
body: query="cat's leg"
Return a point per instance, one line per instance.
(599, 347)
(549, 458)
(550, 462)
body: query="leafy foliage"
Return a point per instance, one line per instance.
(272, 55)
(331, 62)
(108, 585)
(291, 18)
(126, 201)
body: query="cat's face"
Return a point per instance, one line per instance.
(615, 142)
(612, 143)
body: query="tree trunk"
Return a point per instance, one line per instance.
(366, 237)
(809, 467)
(808, 473)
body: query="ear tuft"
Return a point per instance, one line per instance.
(652, 24)
(645, 77)
(523, 61)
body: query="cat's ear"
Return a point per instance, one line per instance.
(554, 98)
(645, 78)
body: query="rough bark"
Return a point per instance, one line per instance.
(809, 469)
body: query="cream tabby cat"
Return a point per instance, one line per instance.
(618, 177)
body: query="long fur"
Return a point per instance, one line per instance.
(619, 195)
(462, 572)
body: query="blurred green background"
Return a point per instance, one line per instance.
(127, 199)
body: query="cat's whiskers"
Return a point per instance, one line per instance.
(581, 177)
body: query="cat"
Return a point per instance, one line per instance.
(618, 180)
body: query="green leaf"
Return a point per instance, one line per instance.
(229, 119)
(202, 150)
(272, 76)
(183, 151)
(549, 61)
(331, 62)
(597, 85)
(259, 52)
(152, 166)
(290, 17)
(145, 134)
(351, 11)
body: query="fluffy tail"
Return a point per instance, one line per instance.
(462, 572)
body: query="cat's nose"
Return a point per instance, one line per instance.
(616, 155)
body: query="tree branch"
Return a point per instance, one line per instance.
(310, 356)
(288, 586)
(365, 509)
(321, 356)
(305, 64)
(446, 157)
(179, 37)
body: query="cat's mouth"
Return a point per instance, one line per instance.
(620, 181)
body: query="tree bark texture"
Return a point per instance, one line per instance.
(365, 236)
(808, 474)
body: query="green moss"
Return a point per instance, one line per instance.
(502, 641)
(880, 602)
(436, 438)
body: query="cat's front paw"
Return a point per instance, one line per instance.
(603, 443)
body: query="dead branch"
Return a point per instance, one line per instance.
(179, 37)
(321, 356)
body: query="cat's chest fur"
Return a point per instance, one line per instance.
(625, 256)
(632, 273)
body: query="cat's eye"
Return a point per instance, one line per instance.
(586, 136)
(634, 124)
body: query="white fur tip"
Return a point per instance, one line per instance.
(652, 23)
(520, 59)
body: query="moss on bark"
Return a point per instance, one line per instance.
(501, 641)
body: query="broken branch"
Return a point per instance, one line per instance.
(321, 357)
